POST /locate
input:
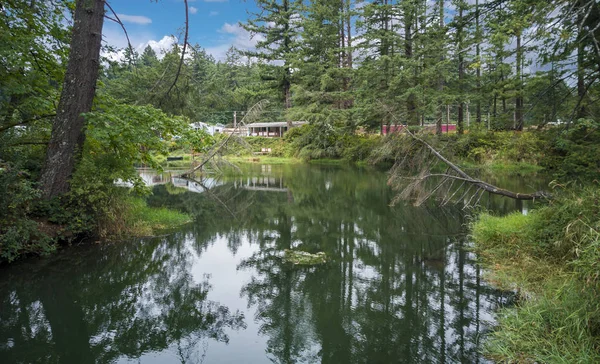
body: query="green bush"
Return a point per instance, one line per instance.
(574, 153)
(19, 233)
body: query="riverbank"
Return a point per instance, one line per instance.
(551, 258)
(504, 152)
(121, 216)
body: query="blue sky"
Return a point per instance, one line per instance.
(213, 24)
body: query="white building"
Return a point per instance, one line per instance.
(271, 130)
(210, 129)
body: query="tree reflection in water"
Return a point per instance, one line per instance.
(94, 305)
(399, 287)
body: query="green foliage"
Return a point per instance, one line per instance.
(484, 147)
(119, 137)
(551, 256)
(322, 141)
(574, 152)
(19, 233)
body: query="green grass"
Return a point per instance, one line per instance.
(142, 220)
(503, 167)
(263, 159)
(550, 257)
(555, 326)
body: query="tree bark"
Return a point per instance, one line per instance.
(438, 124)
(478, 56)
(519, 98)
(408, 53)
(581, 89)
(287, 76)
(79, 89)
(461, 71)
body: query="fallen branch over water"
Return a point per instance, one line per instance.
(254, 112)
(462, 176)
(426, 161)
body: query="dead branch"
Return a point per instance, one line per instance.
(251, 114)
(185, 43)
(453, 172)
(212, 195)
(477, 182)
(118, 21)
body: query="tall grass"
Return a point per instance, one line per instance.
(131, 216)
(552, 257)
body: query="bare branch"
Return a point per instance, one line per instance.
(453, 172)
(117, 20)
(185, 43)
(254, 112)
(6, 127)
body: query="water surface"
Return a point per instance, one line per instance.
(399, 286)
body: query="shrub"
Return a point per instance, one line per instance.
(574, 153)
(19, 233)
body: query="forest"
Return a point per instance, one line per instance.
(518, 78)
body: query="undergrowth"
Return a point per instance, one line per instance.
(552, 258)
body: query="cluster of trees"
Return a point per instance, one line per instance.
(65, 137)
(339, 64)
(355, 63)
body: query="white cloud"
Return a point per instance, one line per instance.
(139, 42)
(216, 1)
(233, 36)
(135, 19)
(160, 46)
(193, 10)
(213, 13)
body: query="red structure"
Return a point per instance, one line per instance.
(385, 129)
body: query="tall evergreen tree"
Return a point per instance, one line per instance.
(277, 25)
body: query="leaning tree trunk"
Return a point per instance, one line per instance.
(76, 98)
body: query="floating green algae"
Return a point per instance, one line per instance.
(298, 257)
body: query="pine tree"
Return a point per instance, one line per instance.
(277, 26)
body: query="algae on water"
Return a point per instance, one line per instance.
(304, 258)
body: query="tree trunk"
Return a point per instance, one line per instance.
(408, 52)
(287, 84)
(519, 98)
(461, 71)
(478, 54)
(438, 128)
(581, 89)
(78, 93)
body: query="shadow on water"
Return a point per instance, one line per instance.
(399, 285)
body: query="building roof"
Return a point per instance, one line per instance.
(275, 124)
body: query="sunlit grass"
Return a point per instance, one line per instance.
(263, 159)
(131, 216)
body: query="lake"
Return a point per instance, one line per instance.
(400, 284)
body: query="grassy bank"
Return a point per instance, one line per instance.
(505, 152)
(143, 220)
(115, 215)
(551, 257)
(267, 159)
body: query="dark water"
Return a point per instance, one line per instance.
(399, 287)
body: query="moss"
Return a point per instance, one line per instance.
(298, 257)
